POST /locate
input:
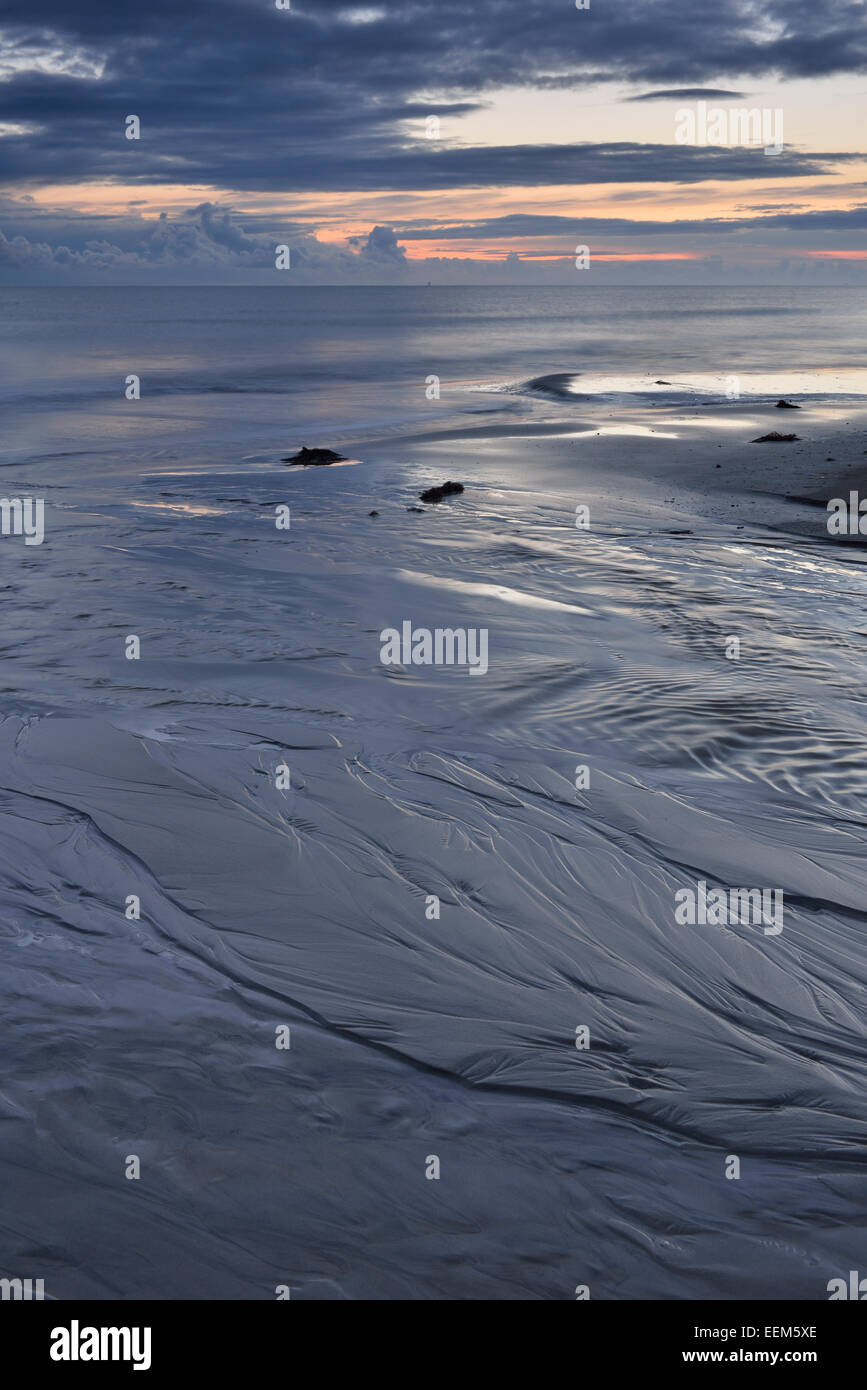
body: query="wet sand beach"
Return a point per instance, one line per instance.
(439, 880)
(306, 906)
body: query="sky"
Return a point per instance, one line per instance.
(442, 142)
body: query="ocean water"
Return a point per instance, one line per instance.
(307, 905)
(236, 369)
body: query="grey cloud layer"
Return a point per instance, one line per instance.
(238, 94)
(535, 224)
(210, 244)
(206, 240)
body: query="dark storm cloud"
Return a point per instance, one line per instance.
(685, 94)
(239, 163)
(545, 225)
(239, 94)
